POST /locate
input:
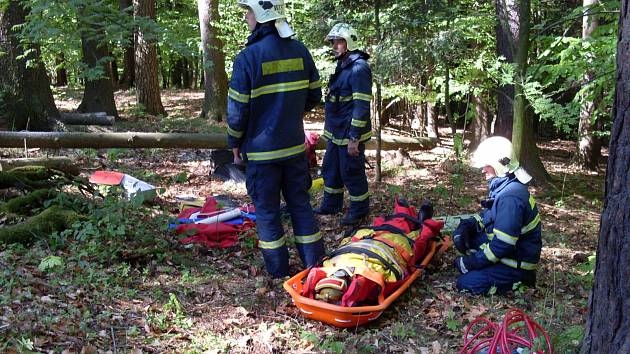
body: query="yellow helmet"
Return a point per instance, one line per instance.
(269, 10)
(344, 31)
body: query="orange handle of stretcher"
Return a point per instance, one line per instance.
(380, 307)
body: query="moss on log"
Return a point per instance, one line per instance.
(21, 205)
(50, 220)
(27, 176)
(60, 163)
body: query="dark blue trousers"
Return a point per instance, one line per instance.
(498, 275)
(265, 182)
(340, 169)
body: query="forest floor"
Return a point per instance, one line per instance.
(142, 291)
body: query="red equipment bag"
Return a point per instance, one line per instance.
(217, 235)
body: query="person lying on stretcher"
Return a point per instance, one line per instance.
(374, 259)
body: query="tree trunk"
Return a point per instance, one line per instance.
(97, 118)
(147, 84)
(61, 78)
(523, 141)
(42, 225)
(56, 140)
(201, 71)
(26, 100)
(114, 70)
(129, 59)
(529, 153)
(432, 131)
(177, 73)
(588, 149)
(195, 73)
(507, 28)
(447, 100)
(480, 126)
(98, 94)
(187, 74)
(608, 322)
(418, 123)
(447, 83)
(215, 83)
(61, 163)
(379, 97)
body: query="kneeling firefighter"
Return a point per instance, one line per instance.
(274, 82)
(502, 246)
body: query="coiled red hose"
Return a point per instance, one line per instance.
(516, 331)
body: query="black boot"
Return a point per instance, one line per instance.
(325, 211)
(350, 219)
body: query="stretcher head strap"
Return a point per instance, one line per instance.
(391, 229)
(401, 251)
(417, 222)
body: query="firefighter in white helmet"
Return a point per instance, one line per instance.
(347, 127)
(274, 81)
(502, 246)
(267, 11)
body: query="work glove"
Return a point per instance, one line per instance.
(463, 234)
(460, 265)
(487, 203)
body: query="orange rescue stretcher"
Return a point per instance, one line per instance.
(348, 317)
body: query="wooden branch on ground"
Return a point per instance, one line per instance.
(61, 163)
(97, 118)
(133, 140)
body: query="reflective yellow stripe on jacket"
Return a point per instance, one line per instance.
(237, 96)
(235, 133)
(315, 85)
(280, 87)
(276, 154)
(361, 96)
(282, 66)
(329, 136)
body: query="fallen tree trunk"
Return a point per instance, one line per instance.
(132, 140)
(98, 118)
(50, 220)
(60, 163)
(24, 204)
(30, 177)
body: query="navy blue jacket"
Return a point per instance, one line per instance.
(348, 100)
(274, 81)
(511, 228)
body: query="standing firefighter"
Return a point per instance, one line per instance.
(347, 127)
(274, 82)
(501, 247)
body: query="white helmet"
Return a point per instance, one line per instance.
(344, 31)
(497, 152)
(269, 10)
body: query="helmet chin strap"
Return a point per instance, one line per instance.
(522, 175)
(519, 172)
